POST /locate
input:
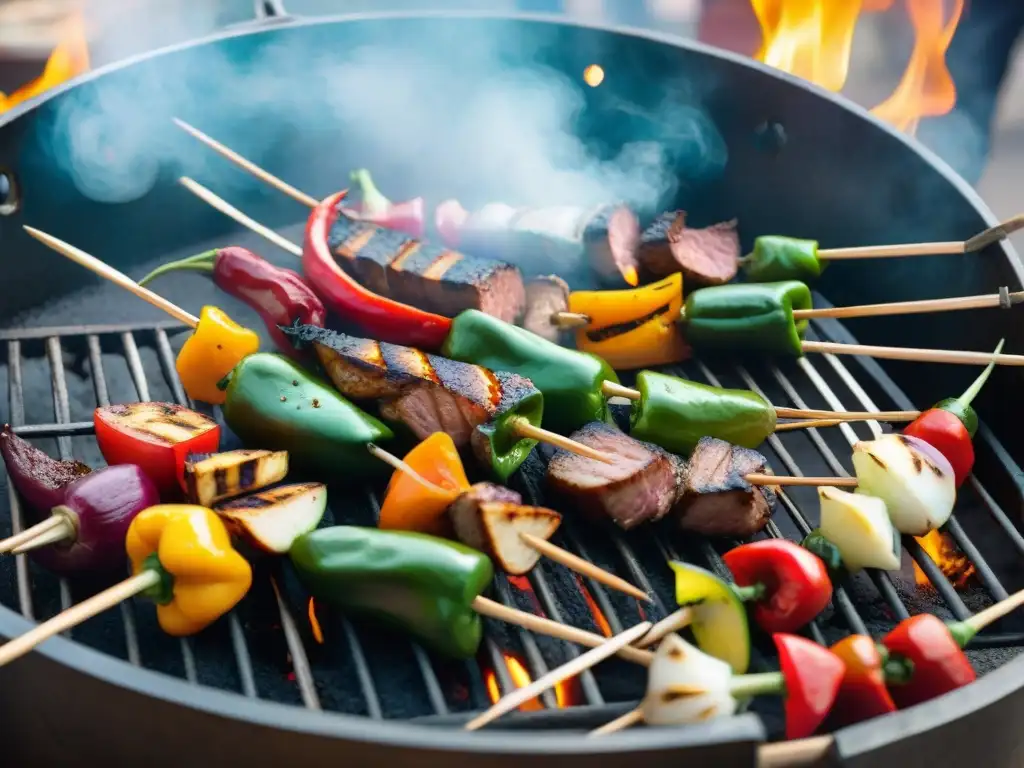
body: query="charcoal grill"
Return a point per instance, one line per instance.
(258, 687)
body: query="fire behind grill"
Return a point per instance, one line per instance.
(277, 646)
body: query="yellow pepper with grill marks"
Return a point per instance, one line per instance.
(211, 353)
(634, 328)
(201, 576)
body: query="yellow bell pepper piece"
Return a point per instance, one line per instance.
(409, 505)
(634, 328)
(211, 353)
(204, 576)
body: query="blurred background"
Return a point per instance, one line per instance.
(944, 71)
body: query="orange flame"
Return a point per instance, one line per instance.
(951, 561)
(314, 622)
(69, 59)
(565, 692)
(927, 88)
(811, 39)
(595, 612)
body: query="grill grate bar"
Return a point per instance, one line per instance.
(238, 645)
(71, 429)
(997, 513)
(16, 411)
(166, 355)
(538, 667)
(62, 413)
(299, 660)
(369, 690)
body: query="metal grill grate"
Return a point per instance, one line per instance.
(371, 672)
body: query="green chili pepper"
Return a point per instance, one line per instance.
(569, 380)
(272, 403)
(675, 413)
(749, 316)
(496, 442)
(816, 542)
(782, 258)
(418, 583)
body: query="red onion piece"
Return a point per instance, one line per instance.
(930, 451)
(41, 480)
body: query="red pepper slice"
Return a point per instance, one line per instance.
(862, 693)
(157, 437)
(940, 665)
(788, 585)
(813, 675)
(948, 435)
(379, 317)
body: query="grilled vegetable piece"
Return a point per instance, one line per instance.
(404, 217)
(570, 381)
(642, 484)
(490, 518)
(40, 480)
(425, 274)
(274, 518)
(420, 584)
(430, 394)
(862, 693)
(545, 295)
(633, 328)
(813, 676)
(719, 621)
(202, 576)
(915, 481)
(409, 505)
(213, 477)
(685, 685)
(155, 436)
(716, 499)
(209, 354)
(274, 403)
(786, 585)
(782, 258)
(95, 514)
(935, 650)
(859, 526)
(818, 544)
(708, 256)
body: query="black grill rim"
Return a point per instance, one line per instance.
(67, 657)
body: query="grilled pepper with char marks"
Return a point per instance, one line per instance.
(414, 582)
(273, 403)
(428, 394)
(569, 380)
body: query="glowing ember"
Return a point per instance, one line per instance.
(565, 693)
(927, 88)
(595, 612)
(811, 39)
(69, 59)
(593, 75)
(314, 623)
(943, 551)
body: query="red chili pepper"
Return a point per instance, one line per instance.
(862, 694)
(934, 648)
(788, 585)
(279, 295)
(155, 436)
(813, 675)
(379, 317)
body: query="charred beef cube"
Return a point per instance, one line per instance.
(716, 499)
(708, 256)
(491, 518)
(642, 484)
(611, 239)
(365, 250)
(545, 296)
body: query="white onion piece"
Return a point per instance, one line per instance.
(860, 527)
(685, 685)
(918, 490)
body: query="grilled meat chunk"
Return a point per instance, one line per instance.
(427, 276)
(490, 518)
(612, 238)
(642, 484)
(425, 392)
(716, 500)
(544, 297)
(708, 256)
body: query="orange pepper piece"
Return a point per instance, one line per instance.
(634, 328)
(211, 353)
(408, 505)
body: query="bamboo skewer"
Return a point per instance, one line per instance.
(554, 677)
(13, 543)
(913, 354)
(809, 424)
(621, 723)
(986, 237)
(543, 546)
(759, 479)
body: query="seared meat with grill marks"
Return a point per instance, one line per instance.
(612, 238)
(708, 256)
(426, 276)
(544, 297)
(716, 500)
(490, 518)
(425, 392)
(641, 485)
